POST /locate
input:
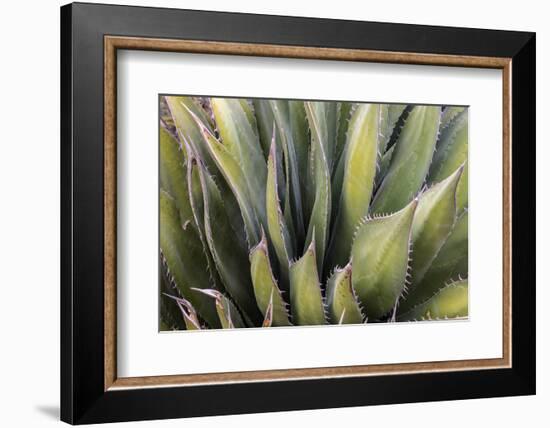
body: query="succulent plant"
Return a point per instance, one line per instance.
(284, 212)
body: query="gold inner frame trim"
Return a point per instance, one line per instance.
(113, 43)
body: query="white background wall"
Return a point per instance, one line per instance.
(29, 212)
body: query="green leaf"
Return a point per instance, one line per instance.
(182, 110)
(449, 114)
(450, 302)
(305, 292)
(293, 200)
(182, 252)
(343, 307)
(359, 172)
(231, 260)
(277, 227)
(320, 213)
(173, 173)
(410, 161)
(389, 115)
(433, 221)
(462, 190)
(344, 115)
(452, 149)
(451, 263)
(265, 121)
(384, 166)
(227, 312)
(265, 287)
(236, 180)
(242, 142)
(187, 311)
(170, 314)
(380, 257)
(322, 116)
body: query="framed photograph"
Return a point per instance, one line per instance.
(266, 213)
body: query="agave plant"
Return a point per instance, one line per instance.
(282, 212)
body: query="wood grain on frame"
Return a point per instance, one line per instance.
(112, 43)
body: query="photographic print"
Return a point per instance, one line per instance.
(280, 213)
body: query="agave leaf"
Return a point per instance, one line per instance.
(343, 307)
(410, 161)
(188, 312)
(183, 254)
(462, 190)
(380, 256)
(433, 221)
(449, 302)
(305, 291)
(389, 115)
(268, 295)
(231, 260)
(265, 121)
(227, 312)
(181, 109)
(344, 114)
(268, 317)
(242, 142)
(450, 263)
(359, 172)
(383, 166)
(235, 178)
(449, 114)
(300, 138)
(170, 314)
(452, 149)
(277, 227)
(320, 213)
(173, 173)
(323, 117)
(293, 200)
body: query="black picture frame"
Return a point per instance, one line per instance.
(83, 396)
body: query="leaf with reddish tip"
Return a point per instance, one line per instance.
(227, 312)
(380, 257)
(231, 260)
(183, 254)
(188, 312)
(265, 286)
(305, 291)
(343, 307)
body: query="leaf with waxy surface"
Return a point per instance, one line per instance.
(452, 149)
(293, 200)
(433, 221)
(320, 214)
(242, 141)
(410, 161)
(359, 172)
(187, 311)
(450, 263)
(277, 227)
(305, 291)
(227, 312)
(231, 260)
(173, 173)
(379, 270)
(235, 178)
(183, 254)
(265, 287)
(449, 114)
(449, 302)
(343, 307)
